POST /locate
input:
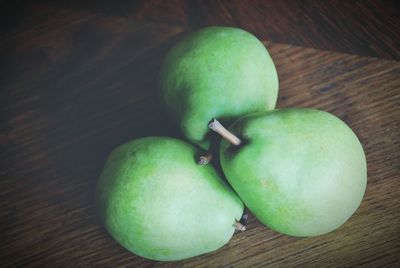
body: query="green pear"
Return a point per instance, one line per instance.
(158, 203)
(218, 72)
(302, 172)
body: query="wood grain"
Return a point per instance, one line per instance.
(78, 79)
(368, 27)
(51, 221)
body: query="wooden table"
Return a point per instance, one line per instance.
(77, 79)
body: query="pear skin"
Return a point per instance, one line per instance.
(220, 72)
(158, 203)
(302, 172)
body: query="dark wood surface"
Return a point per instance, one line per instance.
(77, 79)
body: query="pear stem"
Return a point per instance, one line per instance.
(238, 226)
(205, 159)
(226, 134)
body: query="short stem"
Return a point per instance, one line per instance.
(205, 159)
(221, 130)
(238, 226)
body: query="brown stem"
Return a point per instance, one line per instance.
(226, 134)
(212, 151)
(238, 226)
(205, 159)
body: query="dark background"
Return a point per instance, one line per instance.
(78, 78)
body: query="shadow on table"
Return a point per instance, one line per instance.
(100, 93)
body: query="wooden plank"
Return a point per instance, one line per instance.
(366, 27)
(56, 137)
